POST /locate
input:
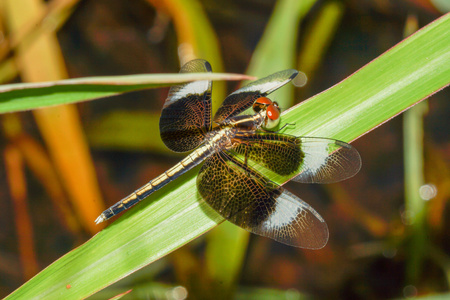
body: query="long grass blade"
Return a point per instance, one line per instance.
(26, 96)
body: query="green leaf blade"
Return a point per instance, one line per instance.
(26, 96)
(401, 77)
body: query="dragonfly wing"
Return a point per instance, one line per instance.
(246, 198)
(244, 97)
(307, 159)
(280, 153)
(327, 161)
(186, 115)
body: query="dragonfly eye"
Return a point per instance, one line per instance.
(272, 116)
(261, 103)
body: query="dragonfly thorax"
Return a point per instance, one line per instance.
(220, 137)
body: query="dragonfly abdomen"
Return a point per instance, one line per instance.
(143, 192)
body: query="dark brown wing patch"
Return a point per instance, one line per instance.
(307, 159)
(280, 153)
(186, 115)
(253, 202)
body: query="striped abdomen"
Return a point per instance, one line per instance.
(179, 169)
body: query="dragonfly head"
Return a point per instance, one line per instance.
(270, 110)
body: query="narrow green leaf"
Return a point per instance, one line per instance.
(225, 253)
(319, 36)
(277, 49)
(442, 5)
(204, 40)
(411, 71)
(415, 206)
(142, 124)
(26, 96)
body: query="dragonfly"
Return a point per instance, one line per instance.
(238, 149)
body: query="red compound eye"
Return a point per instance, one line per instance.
(264, 100)
(272, 116)
(272, 112)
(261, 104)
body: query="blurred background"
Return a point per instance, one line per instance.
(386, 239)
